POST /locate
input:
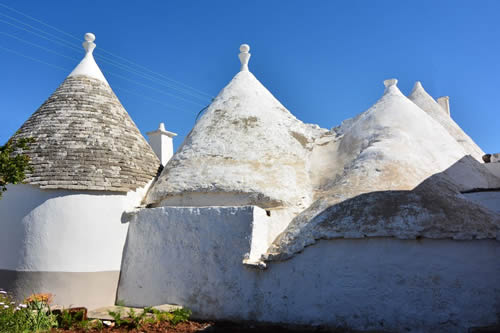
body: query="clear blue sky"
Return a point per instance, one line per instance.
(324, 60)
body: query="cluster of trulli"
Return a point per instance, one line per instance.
(396, 209)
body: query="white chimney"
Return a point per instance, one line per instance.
(161, 141)
(444, 102)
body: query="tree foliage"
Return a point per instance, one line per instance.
(13, 163)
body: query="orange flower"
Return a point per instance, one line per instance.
(42, 297)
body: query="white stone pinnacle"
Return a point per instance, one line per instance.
(89, 44)
(88, 65)
(390, 82)
(244, 56)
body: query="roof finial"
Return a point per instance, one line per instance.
(390, 82)
(244, 56)
(89, 44)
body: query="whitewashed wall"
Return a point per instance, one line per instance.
(61, 231)
(494, 168)
(489, 199)
(193, 257)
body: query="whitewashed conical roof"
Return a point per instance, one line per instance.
(247, 149)
(420, 97)
(394, 145)
(399, 173)
(84, 138)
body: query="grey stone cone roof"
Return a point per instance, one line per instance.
(85, 140)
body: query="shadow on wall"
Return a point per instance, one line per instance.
(437, 208)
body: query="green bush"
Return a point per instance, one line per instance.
(148, 316)
(13, 163)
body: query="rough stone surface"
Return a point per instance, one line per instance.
(85, 140)
(435, 209)
(420, 97)
(247, 149)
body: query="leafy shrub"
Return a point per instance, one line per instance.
(13, 163)
(148, 316)
(71, 318)
(180, 315)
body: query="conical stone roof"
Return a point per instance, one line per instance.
(247, 149)
(420, 97)
(394, 145)
(393, 171)
(84, 138)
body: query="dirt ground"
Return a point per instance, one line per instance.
(222, 327)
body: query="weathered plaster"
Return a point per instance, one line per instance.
(447, 286)
(247, 149)
(435, 209)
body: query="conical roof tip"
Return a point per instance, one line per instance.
(391, 87)
(418, 85)
(427, 103)
(88, 66)
(244, 56)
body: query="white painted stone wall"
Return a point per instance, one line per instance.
(63, 231)
(494, 168)
(193, 257)
(489, 199)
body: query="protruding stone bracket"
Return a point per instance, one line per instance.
(244, 56)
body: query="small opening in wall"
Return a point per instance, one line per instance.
(268, 212)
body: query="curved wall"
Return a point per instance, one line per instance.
(66, 242)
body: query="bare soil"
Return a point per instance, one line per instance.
(217, 327)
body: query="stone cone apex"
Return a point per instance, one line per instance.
(423, 100)
(85, 139)
(247, 149)
(88, 66)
